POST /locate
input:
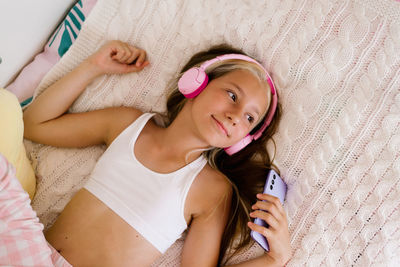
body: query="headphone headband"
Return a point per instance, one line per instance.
(208, 63)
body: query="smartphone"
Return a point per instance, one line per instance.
(274, 186)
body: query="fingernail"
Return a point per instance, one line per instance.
(259, 195)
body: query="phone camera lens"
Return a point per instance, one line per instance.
(271, 187)
(274, 176)
(273, 182)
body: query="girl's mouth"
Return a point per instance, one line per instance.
(220, 126)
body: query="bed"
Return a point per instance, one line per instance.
(336, 65)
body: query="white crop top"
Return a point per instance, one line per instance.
(133, 191)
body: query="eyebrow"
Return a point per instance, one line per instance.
(254, 108)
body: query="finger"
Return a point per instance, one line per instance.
(268, 207)
(127, 54)
(134, 68)
(118, 53)
(267, 217)
(142, 58)
(271, 209)
(272, 199)
(260, 229)
(122, 52)
(134, 55)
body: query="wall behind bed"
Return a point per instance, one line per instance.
(25, 26)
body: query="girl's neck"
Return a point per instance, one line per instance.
(180, 139)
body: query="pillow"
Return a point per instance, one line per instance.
(58, 44)
(11, 136)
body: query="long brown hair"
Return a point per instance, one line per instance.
(246, 169)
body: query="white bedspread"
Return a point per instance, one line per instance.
(336, 65)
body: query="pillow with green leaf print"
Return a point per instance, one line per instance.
(59, 43)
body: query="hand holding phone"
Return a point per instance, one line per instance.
(274, 186)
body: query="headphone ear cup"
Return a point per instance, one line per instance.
(192, 82)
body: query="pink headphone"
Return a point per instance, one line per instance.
(194, 80)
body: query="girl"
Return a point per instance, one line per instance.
(154, 182)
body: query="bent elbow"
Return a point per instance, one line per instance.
(29, 126)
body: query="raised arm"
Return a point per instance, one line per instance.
(46, 120)
(270, 209)
(213, 202)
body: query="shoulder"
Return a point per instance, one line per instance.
(212, 189)
(211, 176)
(120, 119)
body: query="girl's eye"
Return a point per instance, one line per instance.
(250, 118)
(232, 96)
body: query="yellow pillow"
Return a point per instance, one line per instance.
(11, 137)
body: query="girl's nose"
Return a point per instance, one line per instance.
(234, 118)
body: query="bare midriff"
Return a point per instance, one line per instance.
(88, 233)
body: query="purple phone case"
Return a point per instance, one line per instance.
(274, 186)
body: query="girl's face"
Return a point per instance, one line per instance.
(230, 107)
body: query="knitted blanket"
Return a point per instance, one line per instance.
(336, 65)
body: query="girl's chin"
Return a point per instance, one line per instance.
(220, 145)
(215, 144)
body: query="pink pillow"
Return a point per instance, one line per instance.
(59, 43)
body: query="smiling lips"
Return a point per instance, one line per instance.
(221, 126)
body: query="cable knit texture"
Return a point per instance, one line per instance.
(336, 65)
